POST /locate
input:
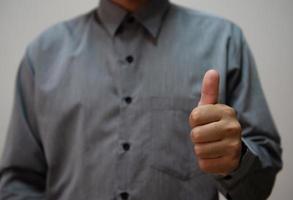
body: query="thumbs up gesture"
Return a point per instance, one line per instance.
(216, 132)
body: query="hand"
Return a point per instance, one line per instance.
(216, 132)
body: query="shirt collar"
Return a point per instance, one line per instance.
(150, 16)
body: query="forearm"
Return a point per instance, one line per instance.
(255, 177)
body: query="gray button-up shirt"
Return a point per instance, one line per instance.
(102, 104)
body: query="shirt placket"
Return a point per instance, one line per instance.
(125, 45)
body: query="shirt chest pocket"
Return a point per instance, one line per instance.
(172, 149)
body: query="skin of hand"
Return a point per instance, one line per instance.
(216, 132)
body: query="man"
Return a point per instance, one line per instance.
(120, 104)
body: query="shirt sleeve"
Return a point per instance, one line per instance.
(260, 163)
(23, 166)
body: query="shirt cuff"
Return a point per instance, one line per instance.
(227, 183)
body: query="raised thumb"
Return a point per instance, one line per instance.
(210, 88)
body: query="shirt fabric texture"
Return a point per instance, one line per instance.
(102, 104)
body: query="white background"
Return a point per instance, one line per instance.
(267, 24)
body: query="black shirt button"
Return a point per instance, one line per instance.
(120, 29)
(129, 59)
(124, 195)
(228, 177)
(126, 146)
(228, 197)
(128, 100)
(130, 19)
